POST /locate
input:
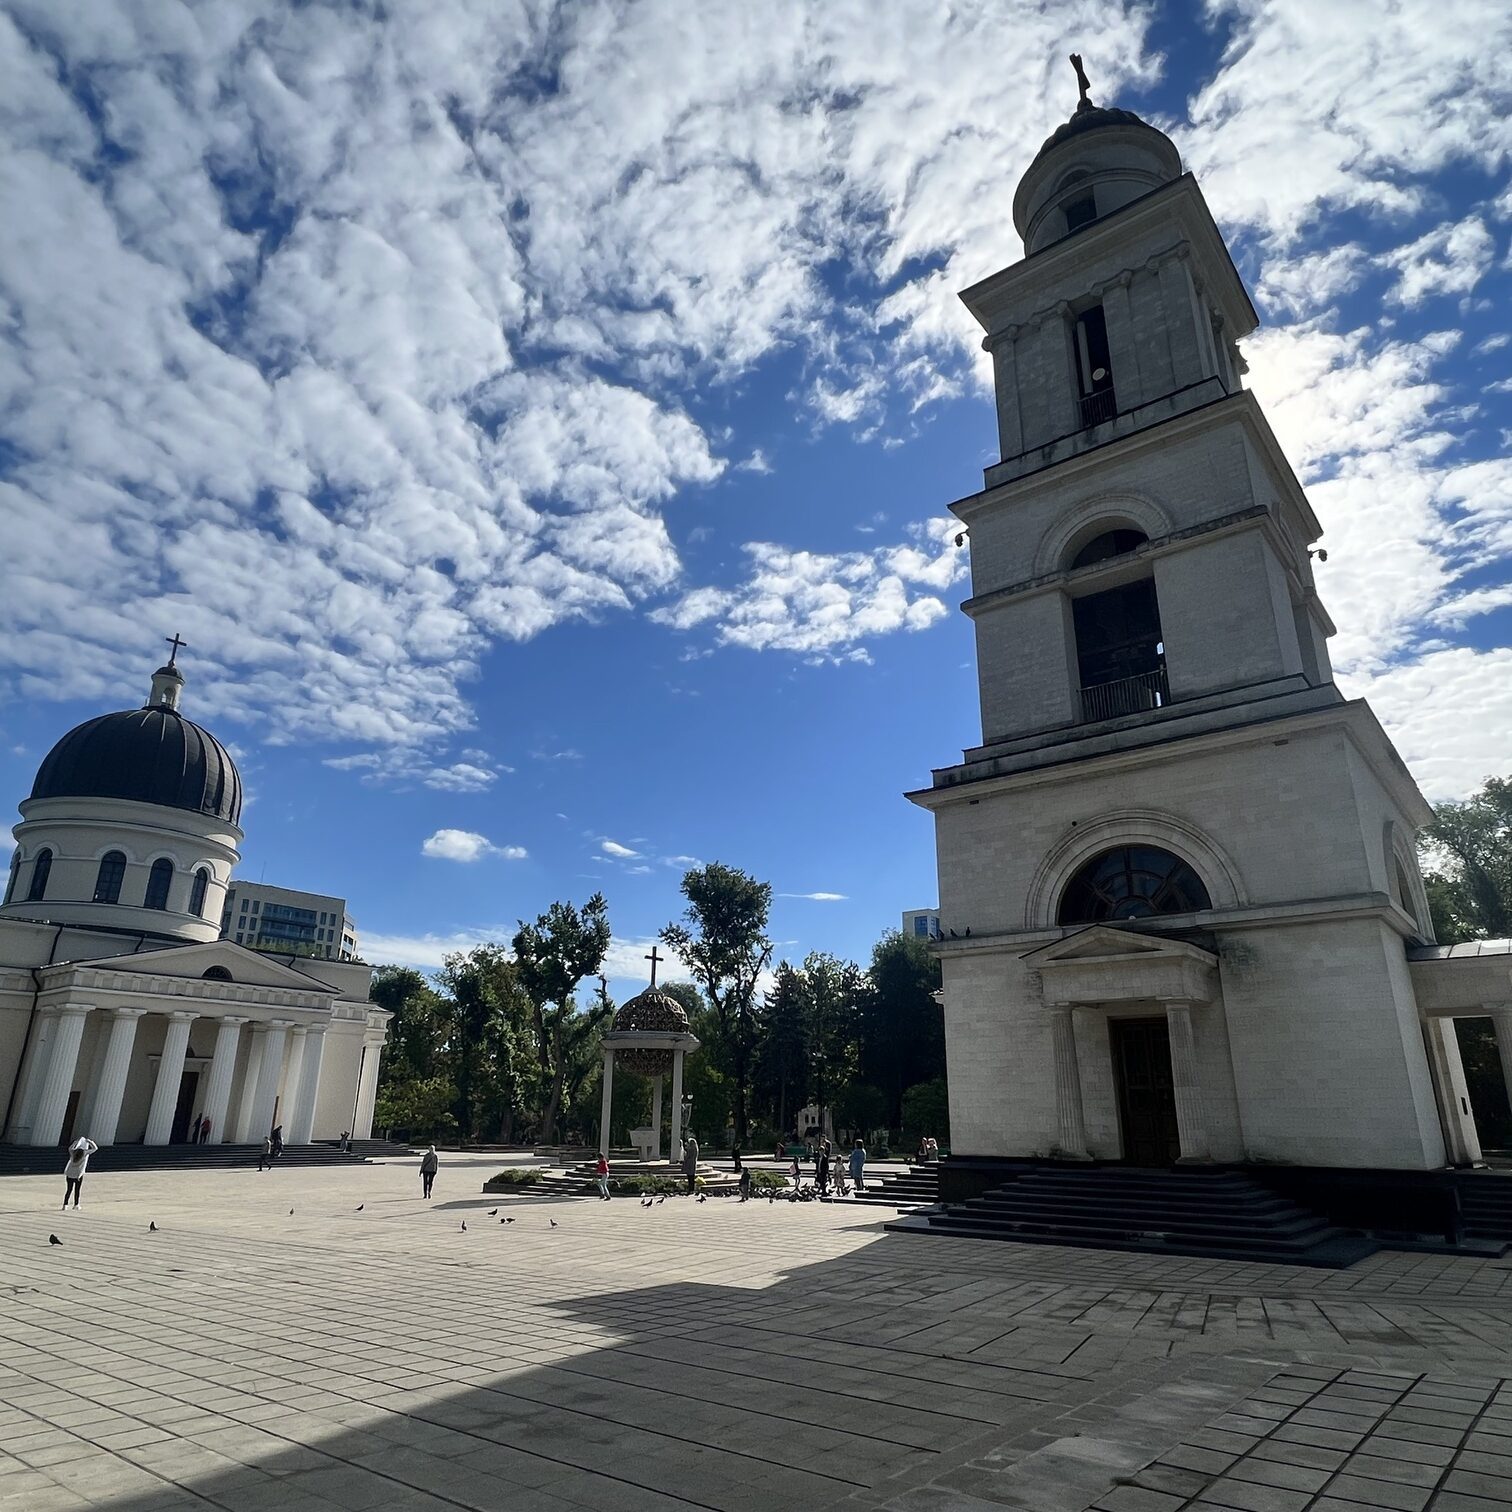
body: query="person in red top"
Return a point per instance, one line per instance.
(601, 1175)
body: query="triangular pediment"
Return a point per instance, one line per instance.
(249, 968)
(1102, 942)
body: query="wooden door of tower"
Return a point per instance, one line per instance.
(1146, 1092)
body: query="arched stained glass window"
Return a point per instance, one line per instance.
(110, 876)
(41, 870)
(159, 880)
(197, 892)
(216, 974)
(1131, 882)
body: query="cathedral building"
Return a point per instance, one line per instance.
(123, 1014)
(1182, 914)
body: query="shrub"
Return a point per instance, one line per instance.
(765, 1181)
(516, 1176)
(650, 1186)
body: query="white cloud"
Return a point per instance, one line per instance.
(467, 845)
(1450, 259)
(824, 604)
(817, 897)
(461, 777)
(618, 851)
(1305, 285)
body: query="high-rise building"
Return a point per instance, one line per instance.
(922, 923)
(283, 920)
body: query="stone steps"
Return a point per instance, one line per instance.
(1220, 1215)
(918, 1186)
(1486, 1204)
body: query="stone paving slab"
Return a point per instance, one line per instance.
(363, 1351)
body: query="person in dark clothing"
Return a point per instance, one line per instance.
(690, 1163)
(265, 1155)
(204, 1130)
(277, 1137)
(430, 1163)
(822, 1168)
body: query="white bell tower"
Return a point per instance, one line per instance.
(1163, 748)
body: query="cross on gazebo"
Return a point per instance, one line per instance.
(177, 644)
(654, 960)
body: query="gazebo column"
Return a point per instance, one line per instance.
(1186, 1082)
(607, 1106)
(656, 1105)
(1071, 1128)
(1501, 1019)
(170, 1076)
(675, 1129)
(105, 1116)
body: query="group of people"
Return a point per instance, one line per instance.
(929, 1150)
(824, 1168)
(199, 1131)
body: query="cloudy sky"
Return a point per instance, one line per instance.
(538, 419)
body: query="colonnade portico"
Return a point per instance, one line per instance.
(52, 1070)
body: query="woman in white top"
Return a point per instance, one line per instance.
(73, 1173)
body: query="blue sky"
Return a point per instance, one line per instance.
(539, 419)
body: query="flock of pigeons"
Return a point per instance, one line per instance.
(152, 1227)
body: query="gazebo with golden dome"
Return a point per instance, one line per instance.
(650, 1037)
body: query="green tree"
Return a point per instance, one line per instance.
(552, 957)
(1470, 886)
(480, 991)
(832, 995)
(781, 1075)
(722, 940)
(419, 1107)
(903, 1030)
(705, 1078)
(417, 1040)
(926, 1110)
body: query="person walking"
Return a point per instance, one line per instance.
(277, 1140)
(346, 1141)
(265, 1155)
(690, 1163)
(601, 1175)
(78, 1162)
(858, 1166)
(430, 1163)
(204, 1131)
(822, 1168)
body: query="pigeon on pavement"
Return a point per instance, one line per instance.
(493, 1212)
(703, 1196)
(506, 1220)
(660, 1200)
(291, 1212)
(464, 1225)
(646, 1203)
(151, 1227)
(360, 1206)
(553, 1223)
(53, 1239)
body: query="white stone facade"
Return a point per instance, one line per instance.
(1148, 521)
(127, 1018)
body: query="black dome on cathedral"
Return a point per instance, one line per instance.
(151, 755)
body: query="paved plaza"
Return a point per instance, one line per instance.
(709, 1355)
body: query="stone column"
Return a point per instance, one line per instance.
(292, 1074)
(90, 1086)
(250, 1078)
(44, 1031)
(367, 1091)
(302, 1126)
(1191, 1116)
(1005, 381)
(674, 1131)
(1071, 1129)
(58, 1077)
(606, 1103)
(268, 1075)
(1183, 312)
(656, 1106)
(217, 1102)
(106, 1113)
(170, 1074)
(1123, 345)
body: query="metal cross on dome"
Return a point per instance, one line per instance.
(177, 644)
(654, 960)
